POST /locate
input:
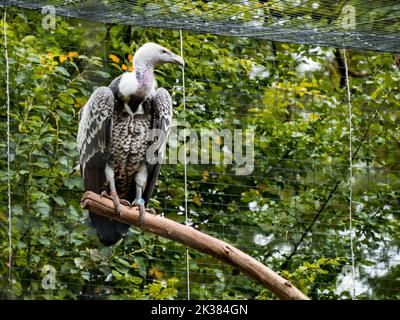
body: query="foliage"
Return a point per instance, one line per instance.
(300, 121)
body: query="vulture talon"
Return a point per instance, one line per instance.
(117, 204)
(141, 216)
(116, 200)
(140, 203)
(105, 194)
(125, 202)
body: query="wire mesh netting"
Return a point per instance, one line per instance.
(369, 25)
(286, 203)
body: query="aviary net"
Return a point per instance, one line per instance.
(368, 25)
(267, 133)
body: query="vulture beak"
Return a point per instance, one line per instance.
(177, 59)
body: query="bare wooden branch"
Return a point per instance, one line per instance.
(197, 240)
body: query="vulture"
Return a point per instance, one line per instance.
(121, 137)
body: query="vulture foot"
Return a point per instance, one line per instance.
(140, 203)
(117, 201)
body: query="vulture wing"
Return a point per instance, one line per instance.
(95, 126)
(161, 103)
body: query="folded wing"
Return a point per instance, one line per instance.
(93, 139)
(161, 103)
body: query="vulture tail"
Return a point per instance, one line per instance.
(109, 231)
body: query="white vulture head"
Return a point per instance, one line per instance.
(153, 55)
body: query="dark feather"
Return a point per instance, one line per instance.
(93, 143)
(162, 120)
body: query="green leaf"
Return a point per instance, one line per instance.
(141, 266)
(59, 200)
(62, 70)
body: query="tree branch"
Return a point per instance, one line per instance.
(197, 240)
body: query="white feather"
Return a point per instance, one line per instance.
(128, 85)
(154, 88)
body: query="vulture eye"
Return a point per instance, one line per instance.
(163, 51)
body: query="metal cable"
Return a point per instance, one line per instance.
(8, 148)
(353, 293)
(185, 167)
